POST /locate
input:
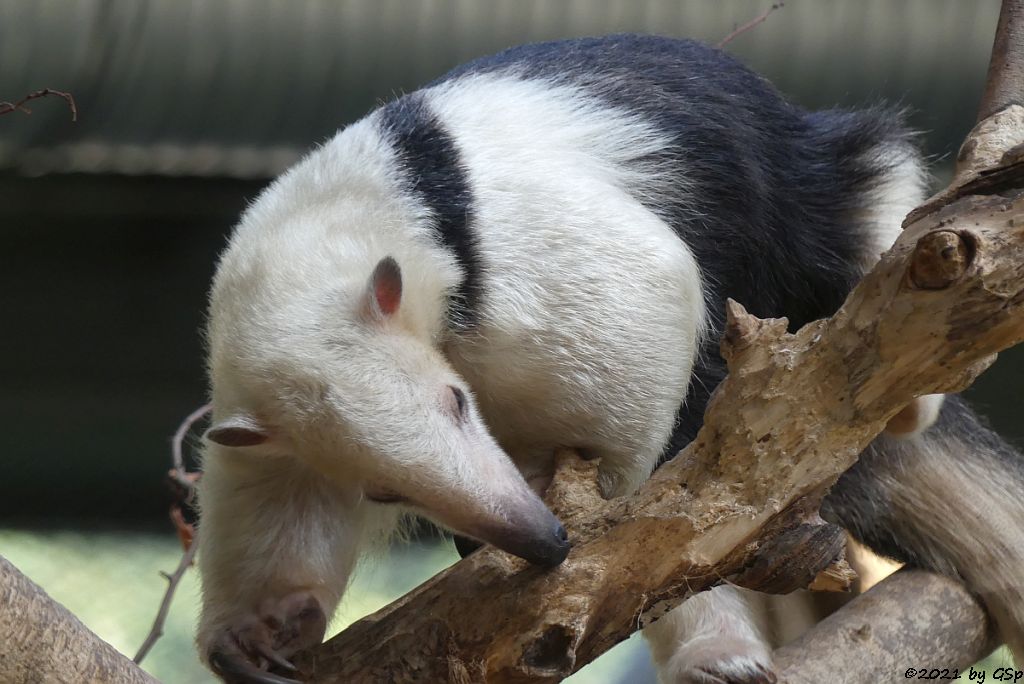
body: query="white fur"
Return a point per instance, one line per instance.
(356, 405)
(919, 415)
(607, 372)
(713, 637)
(896, 194)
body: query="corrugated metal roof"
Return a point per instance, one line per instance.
(239, 88)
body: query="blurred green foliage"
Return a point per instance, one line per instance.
(111, 581)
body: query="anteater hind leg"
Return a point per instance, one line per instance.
(714, 637)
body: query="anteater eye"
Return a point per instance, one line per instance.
(460, 401)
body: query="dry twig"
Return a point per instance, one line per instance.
(749, 25)
(157, 630)
(19, 106)
(179, 474)
(185, 482)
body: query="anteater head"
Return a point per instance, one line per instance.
(344, 373)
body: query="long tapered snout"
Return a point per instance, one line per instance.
(501, 510)
(531, 532)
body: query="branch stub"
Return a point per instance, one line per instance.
(940, 259)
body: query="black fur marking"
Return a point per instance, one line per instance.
(434, 173)
(768, 203)
(768, 191)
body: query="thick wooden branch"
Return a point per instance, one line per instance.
(912, 621)
(794, 413)
(1004, 85)
(41, 641)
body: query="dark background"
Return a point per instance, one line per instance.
(111, 225)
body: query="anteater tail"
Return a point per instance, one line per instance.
(900, 496)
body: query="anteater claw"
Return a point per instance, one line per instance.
(274, 657)
(237, 671)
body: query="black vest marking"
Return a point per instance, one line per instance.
(434, 172)
(770, 191)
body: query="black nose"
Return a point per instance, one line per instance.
(545, 543)
(547, 553)
(553, 551)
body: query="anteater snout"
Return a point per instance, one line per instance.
(544, 543)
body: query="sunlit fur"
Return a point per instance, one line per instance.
(573, 346)
(359, 401)
(602, 199)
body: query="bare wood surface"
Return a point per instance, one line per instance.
(1004, 84)
(1000, 127)
(837, 577)
(793, 414)
(41, 641)
(912, 620)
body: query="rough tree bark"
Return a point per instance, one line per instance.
(41, 641)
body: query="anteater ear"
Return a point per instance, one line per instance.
(384, 293)
(237, 431)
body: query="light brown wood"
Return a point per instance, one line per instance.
(911, 621)
(1004, 85)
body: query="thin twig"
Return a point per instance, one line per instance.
(186, 480)
(750, 24)
(8, 107)
(157, 630)
(179, 473)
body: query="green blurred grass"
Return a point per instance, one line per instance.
(110, 581)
